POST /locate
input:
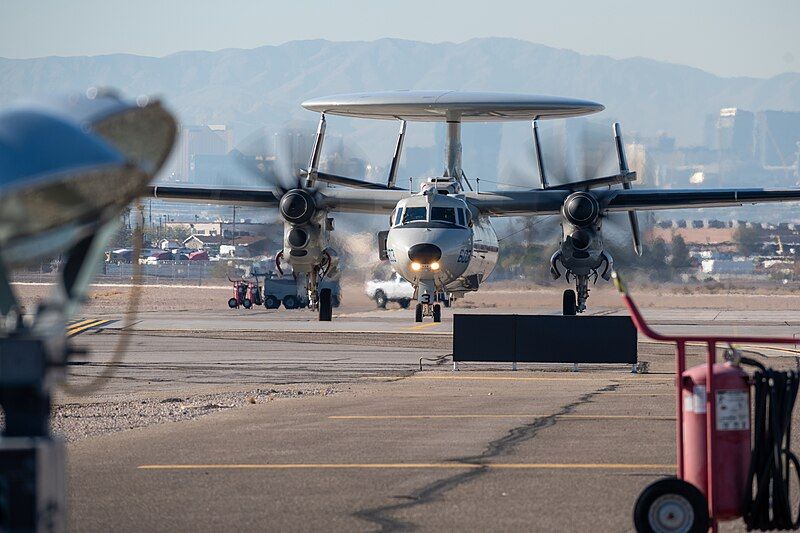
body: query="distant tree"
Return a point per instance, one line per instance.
(176, 233)
(680, 253)
(749, 241)
(122, 238)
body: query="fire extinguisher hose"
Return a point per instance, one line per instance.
(767, 502)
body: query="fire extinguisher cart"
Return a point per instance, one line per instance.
(709, 486)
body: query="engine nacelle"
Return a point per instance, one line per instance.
(297, 206)
(581, 209)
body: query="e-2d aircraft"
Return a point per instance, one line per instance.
(441, 238)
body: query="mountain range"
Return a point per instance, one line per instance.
(263, 86)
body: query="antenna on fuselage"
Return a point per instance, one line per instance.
(537, 146)
(398, 149)
(313, 162)
(452, 147)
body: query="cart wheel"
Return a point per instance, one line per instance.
(271, 302)
(671, 505)
(405, 302)
(232, 303)
(247, 303)
(380, 299)
(290, 302)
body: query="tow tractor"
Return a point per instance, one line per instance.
(719, 476)
(274, 291)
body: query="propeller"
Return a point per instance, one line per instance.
(292, 161)
(572, 150)
(633, 219)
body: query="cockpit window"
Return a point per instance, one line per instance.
(443, 214)
(461, 221)
(414, 214)
(397, 217)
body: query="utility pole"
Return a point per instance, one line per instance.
(233, 236)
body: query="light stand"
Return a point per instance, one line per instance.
(68, 168)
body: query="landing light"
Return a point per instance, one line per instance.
(434, 266)
(415, 266)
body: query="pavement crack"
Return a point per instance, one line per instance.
(435, 491)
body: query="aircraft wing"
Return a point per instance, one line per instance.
(549, 202)
(644, 199)
(209, 195)
(518, 203)
(361, 200)
(338, 199)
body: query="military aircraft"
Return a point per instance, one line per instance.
(440, 238)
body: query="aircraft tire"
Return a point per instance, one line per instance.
(418, 313)
(380, 299)
(325, 306)
(569, 306)
(437, 313)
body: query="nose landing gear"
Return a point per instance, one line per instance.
(432, 310)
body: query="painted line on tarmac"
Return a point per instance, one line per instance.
(148, 328)
(76, 328)
(423, 326)
(612, 377)
(496, 416)
(127, 285)
(400, 466)
(745, 346)
(610, 393)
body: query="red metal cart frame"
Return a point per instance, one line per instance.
(711, 342)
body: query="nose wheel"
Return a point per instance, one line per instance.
(423, 310)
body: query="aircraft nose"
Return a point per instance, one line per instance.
(425, 253)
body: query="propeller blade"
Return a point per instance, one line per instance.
(622, 161)
(637, 239)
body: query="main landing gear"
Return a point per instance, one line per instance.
(569, 306)
(325, 305)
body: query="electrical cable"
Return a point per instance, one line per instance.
(767, 503)
(130, 318)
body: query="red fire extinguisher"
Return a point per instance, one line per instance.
(731, 436)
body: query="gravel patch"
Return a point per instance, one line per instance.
(77, 421)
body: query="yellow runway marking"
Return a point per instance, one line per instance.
(523, 415)
(610, 377)
(84, 325)
(398, 466)
(777, 348)
(423, 326)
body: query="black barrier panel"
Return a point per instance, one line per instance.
(484, 337)
(544, 339)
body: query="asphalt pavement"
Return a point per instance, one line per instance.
(388, 447)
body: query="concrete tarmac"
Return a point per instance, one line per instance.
(392, 447)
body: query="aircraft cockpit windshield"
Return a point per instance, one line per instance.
(443, 214)
(456, 216)
(415, 214)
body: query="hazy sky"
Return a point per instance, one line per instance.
(729, 38)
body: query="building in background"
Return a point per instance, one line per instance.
(201, 140)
